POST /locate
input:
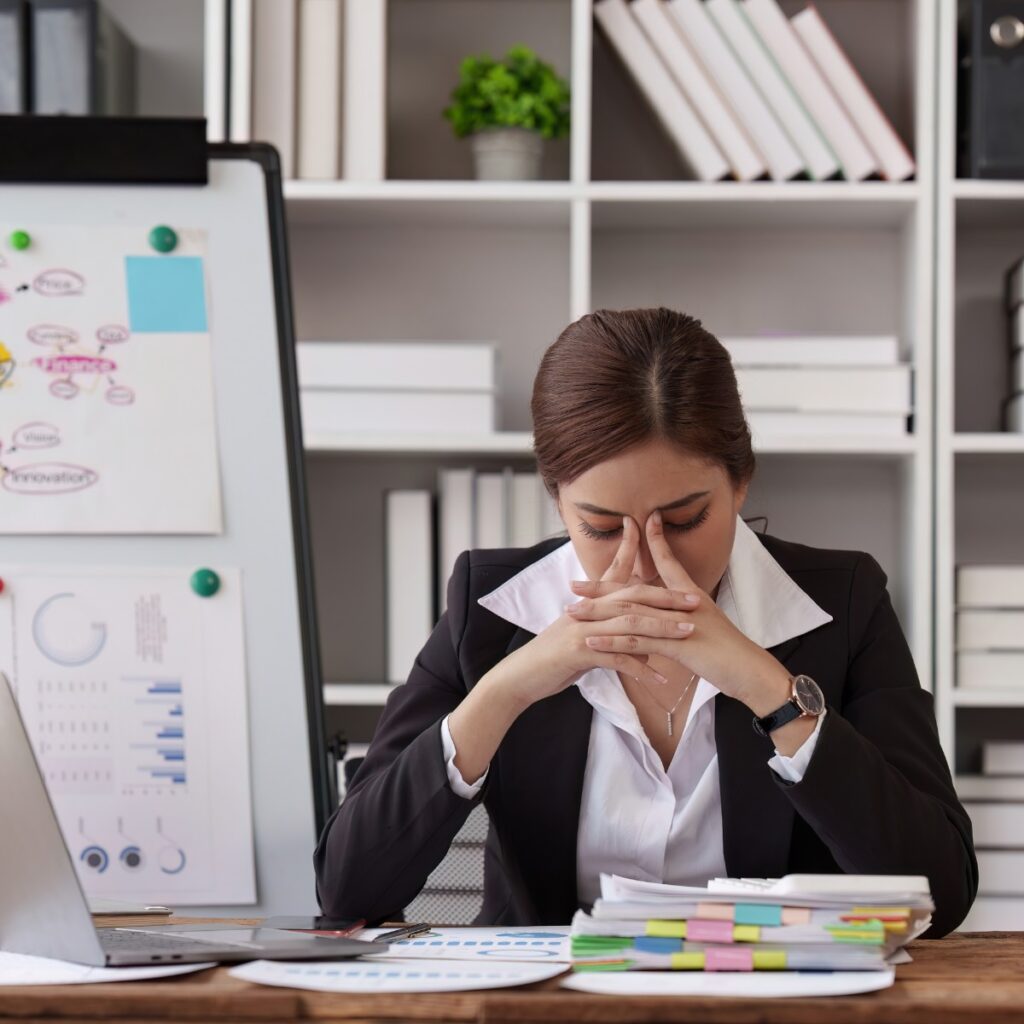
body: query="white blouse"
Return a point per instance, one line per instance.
(636, 817)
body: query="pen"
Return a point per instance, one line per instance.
(410, 931)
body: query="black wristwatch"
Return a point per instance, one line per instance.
(805, 699)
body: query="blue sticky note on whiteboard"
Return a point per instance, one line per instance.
(165, 294)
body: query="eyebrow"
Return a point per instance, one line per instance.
(585, 506)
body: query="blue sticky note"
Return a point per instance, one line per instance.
(165, 294)
(758, 913)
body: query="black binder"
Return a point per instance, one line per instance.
(990, 107)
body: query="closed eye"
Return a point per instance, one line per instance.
(690, 524)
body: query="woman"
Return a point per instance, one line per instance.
(666, 695)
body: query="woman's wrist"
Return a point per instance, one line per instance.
(768, 687)
(478, 725)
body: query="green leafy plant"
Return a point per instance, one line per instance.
(518, 91)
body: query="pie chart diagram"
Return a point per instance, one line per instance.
(65, 632)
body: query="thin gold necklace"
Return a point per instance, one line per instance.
(669, 712)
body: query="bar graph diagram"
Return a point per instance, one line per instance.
(154, 755)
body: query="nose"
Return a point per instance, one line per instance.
(644, 566)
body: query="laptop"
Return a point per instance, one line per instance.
(43, 910)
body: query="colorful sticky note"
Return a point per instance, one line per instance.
(769, 960)
(758, 913)
(166, 294)
(728, 958)
(668, 929)
(687, 961)
(746, 933)
(709, 931)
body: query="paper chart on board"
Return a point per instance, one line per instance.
(391, 976)
(525, 944)
(133, 693)
(106, 384)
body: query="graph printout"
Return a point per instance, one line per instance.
(106, 384)
(132, 688)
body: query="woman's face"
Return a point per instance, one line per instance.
(698, 504)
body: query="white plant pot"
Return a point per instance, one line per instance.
(507, 154)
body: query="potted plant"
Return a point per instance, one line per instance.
(508, 107)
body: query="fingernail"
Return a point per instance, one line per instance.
(684, 627)
(593, 641)
(572, 607)
(660, 677)
(690, 598)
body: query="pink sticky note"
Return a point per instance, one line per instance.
(715, 911)
(698, 930)
(730, 958)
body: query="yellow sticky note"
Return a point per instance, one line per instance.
(746, 933)
(687, 961)
(769, 960)
(666, 929)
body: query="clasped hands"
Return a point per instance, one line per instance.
(678, 621)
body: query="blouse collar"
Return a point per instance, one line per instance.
(756, 593)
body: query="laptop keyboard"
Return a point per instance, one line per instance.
(114, 941)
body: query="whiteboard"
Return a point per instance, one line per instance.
(260, 469)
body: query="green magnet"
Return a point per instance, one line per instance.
(163, 238)
(205, 582)
(20, 240)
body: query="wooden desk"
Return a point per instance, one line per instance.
(967, 978)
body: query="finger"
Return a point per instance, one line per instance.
(626, 598)
(621, 568)
(670, 568)
(644, 625)
(629, 666)
(630, 643)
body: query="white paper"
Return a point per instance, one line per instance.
(18, 969)
(132, 689)
(393, 975)
(534, 945)
(753, 984)
(107, 422)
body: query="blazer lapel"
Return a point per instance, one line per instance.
(757, 818)
(548, 746)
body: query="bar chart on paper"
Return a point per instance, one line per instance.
(140, 731)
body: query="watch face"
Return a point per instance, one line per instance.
(808, 695)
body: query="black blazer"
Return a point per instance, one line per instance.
(876, 797)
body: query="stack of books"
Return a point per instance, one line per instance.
(990, 627)
(1013, 415)
(799, 922)
(397, 386)
(822, 385)
(319, 86)
(994, 801)
(491, 509)
(744, 92)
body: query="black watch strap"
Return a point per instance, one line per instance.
(777, 718)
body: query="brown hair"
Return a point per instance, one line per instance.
(617, 378)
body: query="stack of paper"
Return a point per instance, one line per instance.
(800, 922)
(822, 384)
(990, 626)
(397, 386)
(995, 802)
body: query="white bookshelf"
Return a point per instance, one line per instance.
(432, 253)
(979, 471)
(426, 255)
